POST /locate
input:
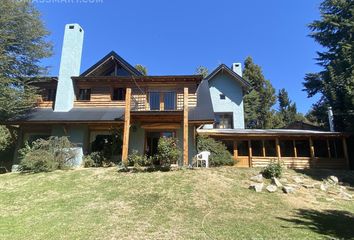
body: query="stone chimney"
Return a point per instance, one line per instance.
(237, 68)
(330, 119)
(69, 66)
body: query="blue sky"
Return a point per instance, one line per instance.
(174, 37)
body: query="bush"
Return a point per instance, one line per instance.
(88, 162)
(47, 155)
(137, 160)
(167, 151)
(273, 169)
(219, 156)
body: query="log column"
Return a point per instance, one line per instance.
(345, 150)
(126, 126)
(185, 126)
(277, 146)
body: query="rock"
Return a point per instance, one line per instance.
(345, 196)
(342, 188)
(298, 179)
(258, 178)
(333, 179)
(258, 187)
(271, 188)
(284, 180)
(330, 199)
(287, 189)
(323, 187)
(292, 185)
(276, 182)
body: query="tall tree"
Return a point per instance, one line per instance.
(335, 83)
(259, 101)
(287, 109)
(142, 69)
(201, 70)
(22, 45)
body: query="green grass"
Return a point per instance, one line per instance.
(185, 204)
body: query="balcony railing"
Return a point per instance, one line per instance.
(140, 102)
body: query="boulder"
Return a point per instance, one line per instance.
(271, 188)
(333, 179)
(288, 189)
(258, 178)
(276, 182)
(345, 196)
(308, 185)
(258, 187)
(323, 187)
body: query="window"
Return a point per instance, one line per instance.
(302, 148)
(49, 95)
(320, 147)
(222, 96)
(242, 148)
(257, 148)
(287, 148)
(118, 94)
(223, 120)
(85, 94)
(169, 99)
(229, 146)
(154, 100)
(270, 150)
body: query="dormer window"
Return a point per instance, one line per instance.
(118, 94)
(85, 94)
(222, 97)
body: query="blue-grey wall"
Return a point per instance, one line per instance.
(77, 134)
(136, 138)
(223, 83)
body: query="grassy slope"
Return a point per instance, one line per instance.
(193, 204)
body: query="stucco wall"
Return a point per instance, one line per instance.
(136, 138)
(223, 83)
(76, 134)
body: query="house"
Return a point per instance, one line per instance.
(112, 99)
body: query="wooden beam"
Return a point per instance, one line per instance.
(345, 150)
(295, 150)
(235, 151)
(185, 126)
(250, 153)
(312, 149)
(126, 126)
(263, 149)
(278, 149)
(329, 149)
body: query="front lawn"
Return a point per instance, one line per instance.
(100, 203)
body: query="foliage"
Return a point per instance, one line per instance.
(88, 162)
(23, 44)
(168, 151)
(137, 160)
(259, 101)
(100, 160)
(201, 70)
(335, 82)
(287, 109)
(219, 155)
(47, 155)
(5, 138)
(142, 69)
(273, 169)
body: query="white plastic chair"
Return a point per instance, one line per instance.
(203, 157)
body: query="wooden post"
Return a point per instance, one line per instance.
(250, 153)
(235, 151)
(312, 150)
(295, 150)
(278, 149)
(126, 126)
(185, 127)
(345, 150)
(329, 149)
(263, 149)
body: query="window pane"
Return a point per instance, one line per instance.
(118, 94)
(84, 94)
(242, 148)
(169, 100)
(287, 148)
(320, 148)
(257, 148)
(336, 148)
(302, 148)
(154, 101)
(223, 120)
(270, 150)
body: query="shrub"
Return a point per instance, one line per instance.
(88, 162)
(219, 156)
(137, 160)
(168, 151)
(273, 169)
(47, 155)
(100, 160)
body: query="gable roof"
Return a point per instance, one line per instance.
(223, 68)
(112, 56)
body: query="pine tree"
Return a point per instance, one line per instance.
(259, 101)
(142, 69)
(201, 70)
(22, 46)
(287, 109)
(335, 83)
